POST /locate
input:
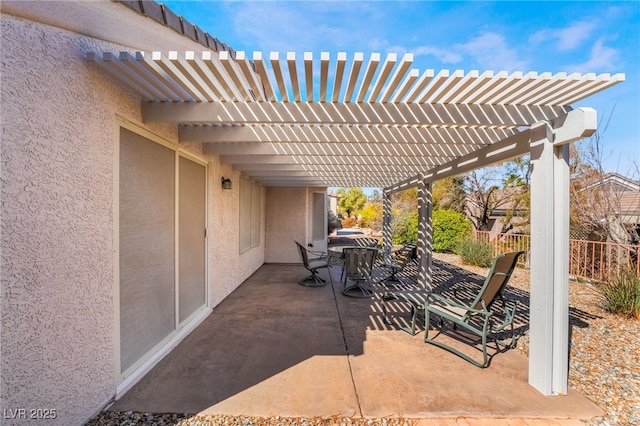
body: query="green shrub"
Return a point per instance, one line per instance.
(449, 227)
(474, 252)
(333, 222)
(404, 228)
(621, 293)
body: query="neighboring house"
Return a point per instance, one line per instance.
(613, 182)
(612, 203)
(613, 196)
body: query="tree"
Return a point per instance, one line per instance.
(371, 215)
(448, 194)
(481, 187)
(351, 200)
(376, 196)
(595, 199)
(406, 200)
(517, 182)
(504, 187)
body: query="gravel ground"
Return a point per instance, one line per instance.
(604, 366)
(147, 419)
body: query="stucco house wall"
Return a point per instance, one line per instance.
(285, 224)
(59, 134)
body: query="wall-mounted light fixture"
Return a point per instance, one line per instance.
(226, 183)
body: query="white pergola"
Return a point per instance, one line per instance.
(337, 121)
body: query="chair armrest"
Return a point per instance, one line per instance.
(444, 302)
(319, 254)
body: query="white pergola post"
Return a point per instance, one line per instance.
(425, 235)
(386, 223)
(549, 304)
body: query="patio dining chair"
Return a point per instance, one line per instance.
(475, 317)
(358, 267)
(312, 261)
(397, 262)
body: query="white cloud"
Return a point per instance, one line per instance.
(399, 50)
(602, 58)
(566, 38)
(307, 26)
(490, 51)
(445, 56)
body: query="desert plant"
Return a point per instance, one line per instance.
(621, 292)
(449, 227)
(474, 252)
(349, 222)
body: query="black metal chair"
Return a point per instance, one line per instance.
(312, 264)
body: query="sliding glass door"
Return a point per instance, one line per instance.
(162, 245)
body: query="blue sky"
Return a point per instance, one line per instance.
(555, 36)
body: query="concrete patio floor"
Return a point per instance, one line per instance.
(274, 347)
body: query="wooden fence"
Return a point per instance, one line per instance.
(591, 260)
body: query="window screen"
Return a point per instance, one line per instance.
(147, 245)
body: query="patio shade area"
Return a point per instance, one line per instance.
(274, 347)
(344, 121)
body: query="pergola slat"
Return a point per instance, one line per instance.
(447, 85)
(324, 75)
(250, 75)
(308, 74)
(233, 71)
(340, 64)
(398, 76)
(212, 61)
(149, 77)
(293, 75)
(383, 75)
(274, 58)
(434, 84)
(178, 92)
(264, 75)
(358, 58)
(369, 72)
(193, 76)
(468, 80)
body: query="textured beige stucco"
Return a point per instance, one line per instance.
(57, 332)
(286, 222)
(229, 268)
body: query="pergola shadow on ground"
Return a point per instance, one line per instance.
(274, 347)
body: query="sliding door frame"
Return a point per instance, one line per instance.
(125, 380)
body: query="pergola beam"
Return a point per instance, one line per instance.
(342, 113)
(352, 150)
(448, 138)
(511, 147)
